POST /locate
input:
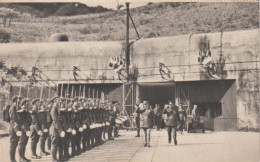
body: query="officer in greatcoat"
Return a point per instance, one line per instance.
(35, 128)
(172, 121)
(146, 121)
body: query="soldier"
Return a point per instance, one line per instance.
(48, 122)
(172, 121)
(43, 123)
(111, 121)
(69, 132)
(106, 120)
(25, 122)
(85, 122)
(35, 128)
(76, 121)
(56, 131)
(158, 116)
(137, 120)
(183, 115)
(63, 151)
(15, 129)
(116, 114)
(146, 121)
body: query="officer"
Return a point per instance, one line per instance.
(158, 116)
(25, 122)
(146, 121)
(172, 121)
(183, 115)
(43, 123)
(63, 152)
(15, 128)
(76, 121)
(35, 128)
(56, 131)
(137, 120)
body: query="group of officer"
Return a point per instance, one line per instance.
(147, 118)
(81, 123)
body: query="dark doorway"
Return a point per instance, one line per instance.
(156, 93)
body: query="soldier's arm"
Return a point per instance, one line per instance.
(65, 123)
(14, 118)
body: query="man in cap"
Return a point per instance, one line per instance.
(146, 121)
(111, 120)
(56, 128)
(158, 116)
(63, 152)
(69, 131)
(116, 113)
(43, 123)
(76, 121)
(35, 128)
(137, 119)
(172, 121)
(15, 128)
(25, 122)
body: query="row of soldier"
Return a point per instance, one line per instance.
(60, 122)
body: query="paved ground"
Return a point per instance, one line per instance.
(211, 146)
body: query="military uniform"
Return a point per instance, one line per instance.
(24, 119)
(172, 121)
(48, 123)
(146, 121)
(55, 129)
(44, 128)
(158, 117)
(35, 128)
(76, 121)
(115, 115)
(111, 121)
(183, 115)
(15, 128)
(63, 150)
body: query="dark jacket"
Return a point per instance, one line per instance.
(36, 125)
(56, 127)
(172, 116)
(14, 124)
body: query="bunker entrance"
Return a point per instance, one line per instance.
(156, 93)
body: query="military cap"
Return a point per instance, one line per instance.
(24, 101)
(54, 98)
(14, 98)
(35, 100)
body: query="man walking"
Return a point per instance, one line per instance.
(172, 121)
(158, 116)
(146, 121)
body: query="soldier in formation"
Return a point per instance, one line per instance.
(58, 123)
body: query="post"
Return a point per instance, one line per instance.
(127, 51)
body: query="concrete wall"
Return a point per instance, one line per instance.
(180, 53)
